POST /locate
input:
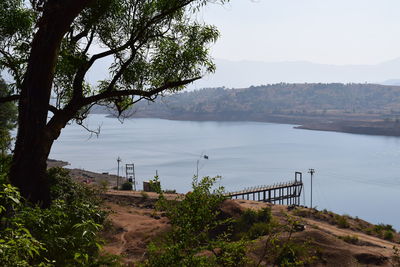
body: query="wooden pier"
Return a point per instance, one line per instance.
(281, 193)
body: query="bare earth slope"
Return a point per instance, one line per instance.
(134, 223)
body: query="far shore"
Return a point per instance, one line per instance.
(362, 124)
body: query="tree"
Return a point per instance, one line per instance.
(8, 119)
(49, 46)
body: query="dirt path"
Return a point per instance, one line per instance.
(133, 229)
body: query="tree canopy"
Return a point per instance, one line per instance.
(8, 117)
(50, 46)
(155, 46)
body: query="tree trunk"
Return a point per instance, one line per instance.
(34, 138)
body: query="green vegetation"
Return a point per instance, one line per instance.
(202, 234)
(253, 224)
(155, 47)
(154, 185)
(385, 231)
(65, 234)
(8, 118)
(388, 235)
(193, 221)
(290, 100)
(342, 221)
(127, 186)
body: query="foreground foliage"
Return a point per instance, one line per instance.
(147, 48)
(65, 234)
(203, 235)
(193, 240)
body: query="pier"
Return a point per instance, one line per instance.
(287, 193)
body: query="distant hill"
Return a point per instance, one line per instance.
(391, 82)
(358, 108)
(242, 74)
(279, 99)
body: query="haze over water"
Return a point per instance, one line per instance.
(355, 174)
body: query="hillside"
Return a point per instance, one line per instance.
(134, 224)
(354, 108)
(328, 238)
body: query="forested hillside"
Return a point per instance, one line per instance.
(354, 108)
(278, 99)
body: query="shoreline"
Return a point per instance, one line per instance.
(371, 125)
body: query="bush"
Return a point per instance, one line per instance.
(127, 186)
(258, 229)
(293, 254)
(193, 221)
(65, 234)
(388, 235)
(383, 227)
(342, 222)
(17, 246)
(169, 191)
(264, 215)
(258, 220)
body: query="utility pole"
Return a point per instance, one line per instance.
(197, 166)
(118, 161)
(311, 172)
(197, 170)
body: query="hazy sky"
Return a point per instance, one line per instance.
(321, 31)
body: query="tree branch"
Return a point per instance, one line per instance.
(144, 94)
(53, 109)
(90, 40)
(80, 75)
(9, 64)
(9, 98)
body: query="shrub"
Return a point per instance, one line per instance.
(341, 221)
(169, 191)
(388, 235)
(258, 229)
(127, 186)
(368, 231)
(253, 224)
(231, 254)
(264, 215)
(284, 251)
(379, 228)
(65, 234)
(293, 254)
(17, 246)
(104, 185)
(193, 221)
(246, 220)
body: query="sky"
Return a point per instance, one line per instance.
(338, 32)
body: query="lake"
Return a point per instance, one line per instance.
(354, 174)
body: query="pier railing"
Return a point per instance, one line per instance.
(286, 193)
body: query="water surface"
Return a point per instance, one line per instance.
(355, 174)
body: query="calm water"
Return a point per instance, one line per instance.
(355, 174)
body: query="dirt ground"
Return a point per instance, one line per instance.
(134, 223)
